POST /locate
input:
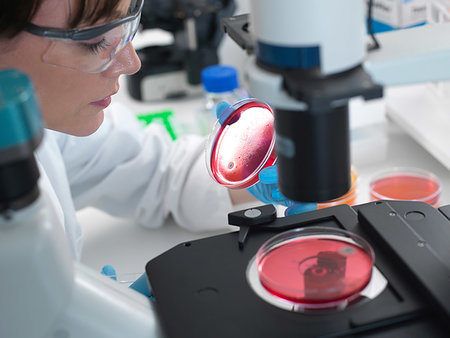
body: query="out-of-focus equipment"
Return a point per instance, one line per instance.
(174, 69)
(307, 63)
(397, 14)
(43, 292)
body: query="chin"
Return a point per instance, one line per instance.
(95, 124)
(86, 128)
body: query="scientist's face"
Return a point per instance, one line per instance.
(71, 100)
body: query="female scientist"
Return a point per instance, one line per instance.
(94, 154)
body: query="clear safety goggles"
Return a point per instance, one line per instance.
(90, 49)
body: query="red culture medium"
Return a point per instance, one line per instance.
(243, 145)
(402, 185)
(315, 269)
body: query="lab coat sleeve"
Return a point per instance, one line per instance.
(140, 173)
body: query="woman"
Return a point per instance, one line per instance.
(93, 156)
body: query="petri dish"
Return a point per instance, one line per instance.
(315, 267)
(241, 144)
(407, 184)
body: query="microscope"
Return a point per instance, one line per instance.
(379, 269)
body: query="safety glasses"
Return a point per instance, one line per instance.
(90, 49)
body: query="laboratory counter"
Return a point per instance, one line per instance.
(379, 145)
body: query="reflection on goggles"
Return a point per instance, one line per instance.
(94, 55)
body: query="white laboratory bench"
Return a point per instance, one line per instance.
(380, 144)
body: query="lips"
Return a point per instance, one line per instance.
(102, 103)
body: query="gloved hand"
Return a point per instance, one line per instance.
(221, 107)
(140, 285)
(266, 190)
(299, 208)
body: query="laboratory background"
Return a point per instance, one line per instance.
(397, 126)
(407, 128)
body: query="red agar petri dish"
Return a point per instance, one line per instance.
(407, 184)
(316, 267)
(241, 144)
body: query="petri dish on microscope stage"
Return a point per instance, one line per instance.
(408, 184)
(241, 144)
(315, 267)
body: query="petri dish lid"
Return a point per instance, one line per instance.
(315, 267)
(241, 143)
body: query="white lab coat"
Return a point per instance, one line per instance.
(130, 172)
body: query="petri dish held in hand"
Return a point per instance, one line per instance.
(315, 267)
(409, 184)
(241, 144)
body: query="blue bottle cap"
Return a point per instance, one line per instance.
(220, 78)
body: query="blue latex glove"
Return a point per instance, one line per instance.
(140, 285)
(108, 270)
(221, 107)
(299, 208)
(266, 190)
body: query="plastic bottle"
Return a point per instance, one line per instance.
(220, 83)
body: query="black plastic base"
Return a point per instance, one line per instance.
(201, 288)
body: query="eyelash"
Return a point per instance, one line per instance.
(98, 47)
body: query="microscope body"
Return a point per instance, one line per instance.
(44, 293)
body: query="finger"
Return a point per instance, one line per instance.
(221, 107)
(277, 195)
(108, 270)
(268, 175)
(259, 193)
(299, 208)
(280, 199)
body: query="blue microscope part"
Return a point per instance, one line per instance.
(19, 122)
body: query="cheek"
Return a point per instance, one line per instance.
(55, 86)
(64, 95)
(57, 95)
(65, 103)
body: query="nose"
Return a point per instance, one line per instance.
(125, 62)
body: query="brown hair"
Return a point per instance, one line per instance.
(15, 15)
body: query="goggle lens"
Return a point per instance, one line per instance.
(94, 55)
